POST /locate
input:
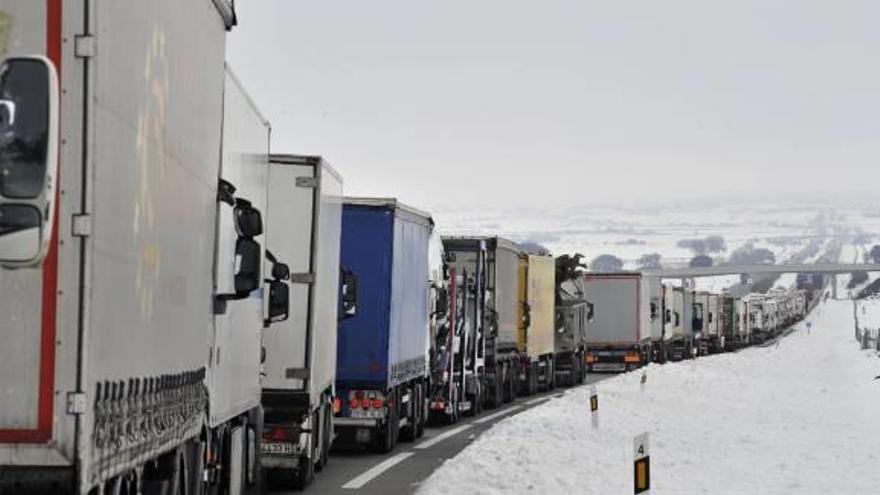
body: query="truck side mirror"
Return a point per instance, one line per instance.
(247, 263)
(248, 220)
(279, 301)
(28, 159)
(279, 291)
(591, 312)
(349, 284)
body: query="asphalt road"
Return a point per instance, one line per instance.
(401, 471)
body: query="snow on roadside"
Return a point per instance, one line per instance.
(801, 417)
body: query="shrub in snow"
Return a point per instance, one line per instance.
(606, 263)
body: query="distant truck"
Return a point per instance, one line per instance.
(701, 322)
(382, 372)
(536, 341)
(573, 312)
(758, 319)
(678, 333)
(304, 221)
(132, 251)
(732, 328)
(457, 303)
(493, 264)
(626, 320)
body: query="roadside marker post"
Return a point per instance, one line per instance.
(641, 465)
(594, 407)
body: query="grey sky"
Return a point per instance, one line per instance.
(570, 101)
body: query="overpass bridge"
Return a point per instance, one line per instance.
(721, 270)
(832, 269)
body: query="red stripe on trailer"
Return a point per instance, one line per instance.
(43, 432)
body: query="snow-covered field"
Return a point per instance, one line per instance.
(800, 417)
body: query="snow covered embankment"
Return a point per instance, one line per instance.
(801, 417)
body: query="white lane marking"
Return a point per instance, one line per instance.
(376, 470)
(499, 413)
(542, 399)
(427, 444)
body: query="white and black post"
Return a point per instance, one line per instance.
(594, 407)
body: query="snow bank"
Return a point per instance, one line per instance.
(801, 417)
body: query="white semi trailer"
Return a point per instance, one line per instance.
(131, 245)
(626, 320)
(304, 223)
(678, 332)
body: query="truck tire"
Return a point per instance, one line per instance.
(533, 380)
(387, 438)
(422, 408)
(326, 435)
(510, 384)
(305, 474)
(498, 392)
(408, 432)
(167, 475)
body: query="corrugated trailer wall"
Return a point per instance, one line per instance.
(541, 300)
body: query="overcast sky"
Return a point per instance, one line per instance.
(570, 101)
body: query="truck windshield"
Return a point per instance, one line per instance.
(24, 125)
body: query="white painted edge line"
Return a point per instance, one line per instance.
(375, 471)
(499, 413)
(542, 399)
(427, 444)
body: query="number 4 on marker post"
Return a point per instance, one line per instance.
(641, 465)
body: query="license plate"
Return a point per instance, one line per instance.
(278, 448)
(608, 367)
(360, 414)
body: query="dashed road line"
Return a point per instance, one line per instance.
(427, 444)
(376, 470)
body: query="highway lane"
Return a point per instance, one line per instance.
(401, 471)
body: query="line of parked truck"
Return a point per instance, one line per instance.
(184, 311)
(635, 319)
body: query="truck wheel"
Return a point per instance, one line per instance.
(326, 436)
(306, 472)
(408, 433)
(533, 380)
(421, 407)
(498, 396)
(387, 437)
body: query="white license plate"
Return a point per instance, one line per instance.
(609, 367)
(361, 414)
(278, 448)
